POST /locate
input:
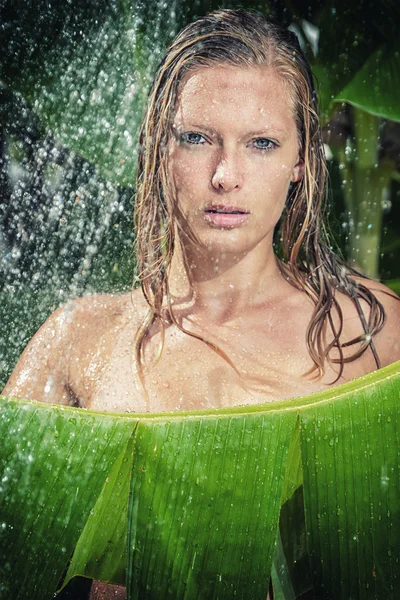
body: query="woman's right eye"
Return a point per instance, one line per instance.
(192, 138)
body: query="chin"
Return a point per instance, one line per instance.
(235, 241)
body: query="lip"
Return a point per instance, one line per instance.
(227, 216)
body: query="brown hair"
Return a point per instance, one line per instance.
(237, 37)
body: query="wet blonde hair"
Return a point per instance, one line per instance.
(247, 39)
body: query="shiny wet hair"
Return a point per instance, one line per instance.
(247, 39)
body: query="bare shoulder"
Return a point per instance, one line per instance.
(387, 341)
(40, 367)
(90, 317)
(389, 299)
(91, 311)
(64, 340)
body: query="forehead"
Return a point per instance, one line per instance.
(234, 96)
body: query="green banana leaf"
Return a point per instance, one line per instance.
(193, 505)
(375, 88)
(356, 55)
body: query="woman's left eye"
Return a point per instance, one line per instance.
(192, 138)
(264, 144)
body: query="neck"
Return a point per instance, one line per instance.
(224, 286)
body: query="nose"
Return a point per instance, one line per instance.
(228, 174)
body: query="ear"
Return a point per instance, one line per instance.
(298, 171)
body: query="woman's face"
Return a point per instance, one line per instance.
(233, 153)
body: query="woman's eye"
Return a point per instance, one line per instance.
(192, 138)
(264, 144)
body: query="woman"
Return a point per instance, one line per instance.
(231, 167)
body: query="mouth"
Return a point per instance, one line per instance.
(221, 208)
(225, 216)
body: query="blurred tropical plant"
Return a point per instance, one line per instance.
(187, 505)
(354, 51)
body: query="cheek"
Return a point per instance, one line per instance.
(190, 174)
(273, 181)
(278, 172)
(271, 187)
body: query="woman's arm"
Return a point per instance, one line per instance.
(42, 371)
(106, 591)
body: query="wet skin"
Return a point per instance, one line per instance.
(234, 144)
